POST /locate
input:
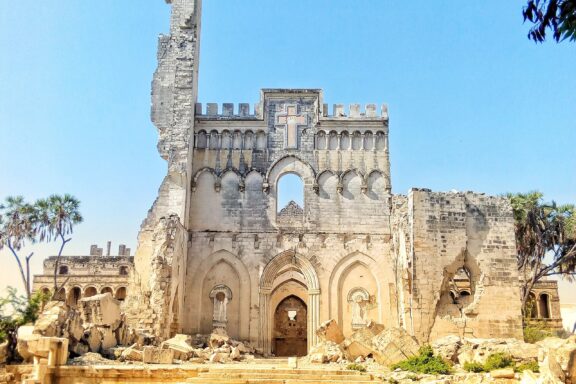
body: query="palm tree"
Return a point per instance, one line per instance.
(545, 239)
(17, 226)
(57, 215)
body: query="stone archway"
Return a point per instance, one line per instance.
(286, 266)
(290, 327)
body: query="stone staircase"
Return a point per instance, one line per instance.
(276, 375)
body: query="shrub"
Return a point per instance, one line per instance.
(497, 361)
(472, 366)
(356, 367)
(536, 332)
(425, 362)
(529, 366)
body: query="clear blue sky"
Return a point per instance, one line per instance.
(474, 105)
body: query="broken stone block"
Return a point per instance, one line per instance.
(394, 345)
(447, 347)
(102, 310)
(132, 354)
(563, 352)
(181, 345)
(218, 338)
(79, 348)
(318, 358)
(218, 357)
(504, 373)
(360, 342)
(330, 331)
(235, 353)
(108, 338)
(94, 339)
(55, 348)
(27, 340)
(154, 355)
(550, 369)
(51, 322)
(332, 352)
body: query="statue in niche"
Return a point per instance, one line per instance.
(359, 299)
(221, 296)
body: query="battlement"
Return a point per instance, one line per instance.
(356, 111)
(247, 111)
(228, 111)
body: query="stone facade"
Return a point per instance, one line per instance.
(86, 276)
(216, 250)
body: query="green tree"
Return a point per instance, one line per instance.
(51, 219)
(558, 16)
(57, 215)
(17, 227)
(545, 239)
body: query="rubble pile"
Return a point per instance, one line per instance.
(370, 343)
(214, 348)
(96, 325)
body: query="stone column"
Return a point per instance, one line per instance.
(264, 335)
(313, 316)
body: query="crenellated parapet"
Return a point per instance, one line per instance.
(356, 111)
(228, 111)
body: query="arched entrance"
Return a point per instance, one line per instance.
(290, 327)
(288, 274)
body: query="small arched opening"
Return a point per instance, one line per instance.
(123, 270)
(121, 294)
(107, 290)
(74, 296)
(544, 306)
(90, 291)
(63, 270)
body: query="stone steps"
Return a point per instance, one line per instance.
(279, 376)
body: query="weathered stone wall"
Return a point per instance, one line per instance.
(463, 230)
(85, 276)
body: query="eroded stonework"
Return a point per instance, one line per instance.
(217, 251)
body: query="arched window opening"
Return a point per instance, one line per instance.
(61, 295)
(74, 296)
(461, 288)
(290, 199)
(63, 270)
(531, 309)
(123, 270)
(107, 290)
(333, 140)
(201, 140)
(321, 140)
(121, 294)
(90, 291)
(344, 141)
(226, 140)
(380, 140)
(356, 141)
(544, 306)
(368, 141)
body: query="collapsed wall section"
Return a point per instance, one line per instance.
(462, 273)
(174, 94)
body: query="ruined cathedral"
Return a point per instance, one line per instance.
(218, 251)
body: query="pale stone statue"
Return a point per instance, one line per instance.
(220, 303)
(220, 296)
(358, 298)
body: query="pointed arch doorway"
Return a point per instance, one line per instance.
(289, 284)
(290, 336)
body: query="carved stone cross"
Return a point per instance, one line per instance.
(290, 120)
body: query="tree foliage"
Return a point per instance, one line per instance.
(46, 220)
(558, 16)
(545, 239)
(15, 311)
